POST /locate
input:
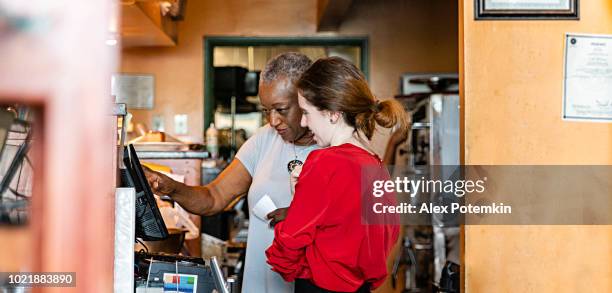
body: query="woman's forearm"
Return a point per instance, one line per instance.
(195, 199)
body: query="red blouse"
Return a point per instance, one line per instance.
(323, 238)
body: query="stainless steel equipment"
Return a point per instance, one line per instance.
(432, 101)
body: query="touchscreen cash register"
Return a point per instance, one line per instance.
(166, 272)
(149, 222)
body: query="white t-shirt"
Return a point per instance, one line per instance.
(265, 155)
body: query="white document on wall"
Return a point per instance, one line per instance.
(587, 81)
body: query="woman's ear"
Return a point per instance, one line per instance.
(334, 117)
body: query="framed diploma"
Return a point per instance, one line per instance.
(587, 78)
(526, 9)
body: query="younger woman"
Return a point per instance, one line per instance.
(323, 244)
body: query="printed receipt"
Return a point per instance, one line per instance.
(263, 207)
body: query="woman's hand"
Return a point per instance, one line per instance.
(160, 183)
(277, 215)
(295, 174)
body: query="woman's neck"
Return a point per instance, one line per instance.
(345, 134)
(305, 139)
(349, 135)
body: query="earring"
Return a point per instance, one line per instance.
(331, 121)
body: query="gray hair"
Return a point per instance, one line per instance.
(290, 65)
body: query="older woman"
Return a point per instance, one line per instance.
(260, 168)
(323, 244)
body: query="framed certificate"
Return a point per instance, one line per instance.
(587, 78)
(526, 9)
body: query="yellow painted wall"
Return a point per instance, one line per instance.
(513, 74)
(416, 35)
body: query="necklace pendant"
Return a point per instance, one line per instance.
(292, 164)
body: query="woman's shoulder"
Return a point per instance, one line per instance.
(265, 132)
(265, 138)
(345, 155)
(325, 154)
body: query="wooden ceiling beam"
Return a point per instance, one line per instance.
(142, 25)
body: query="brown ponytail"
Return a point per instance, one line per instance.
(335, 84)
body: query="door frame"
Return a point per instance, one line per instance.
(210, 42)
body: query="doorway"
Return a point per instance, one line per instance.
(254, 52)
